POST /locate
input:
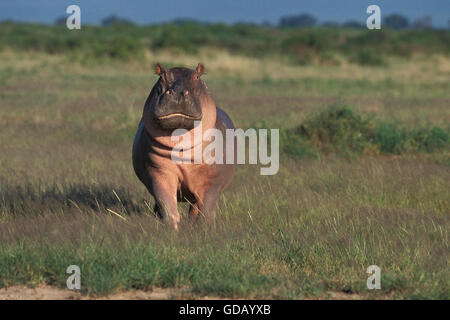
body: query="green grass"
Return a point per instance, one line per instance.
(361, 185)
(317, 233)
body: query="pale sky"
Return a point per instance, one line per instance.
(229, 11)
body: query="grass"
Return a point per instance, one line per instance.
(372, 188)
(317, 233)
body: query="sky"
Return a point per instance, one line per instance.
(227, 11)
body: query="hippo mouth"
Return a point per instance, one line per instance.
(178, 114)
(177, 120)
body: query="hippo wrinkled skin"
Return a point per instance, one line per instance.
(178, 100)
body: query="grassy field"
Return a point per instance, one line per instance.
(364, 178)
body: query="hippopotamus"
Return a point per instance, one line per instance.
(179, 100)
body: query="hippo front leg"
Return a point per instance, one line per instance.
(165, 192)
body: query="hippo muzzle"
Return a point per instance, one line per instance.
(177, 109)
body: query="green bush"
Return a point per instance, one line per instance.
(337, 129)
(342, 131)
(120, 48)
(62, 44)
(170, 37)
(305, 40)
(293, 145)
(368, 57)
(390, 138)
(431, 140)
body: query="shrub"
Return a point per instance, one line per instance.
(390, 138)
(431, 140)
(120, 48)
(368, 57)
(343, 131)
(311, 40)
(294, 145)
(305, 46)
(337, 129)
(171, 37)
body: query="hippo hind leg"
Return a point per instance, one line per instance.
(193, 212)
(158, 211)
(207, 205)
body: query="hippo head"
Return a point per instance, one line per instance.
(178, 95)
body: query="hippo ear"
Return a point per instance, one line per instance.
(200, 69)
(159, 70)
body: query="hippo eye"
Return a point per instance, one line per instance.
(168, 91)
(186, 92)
